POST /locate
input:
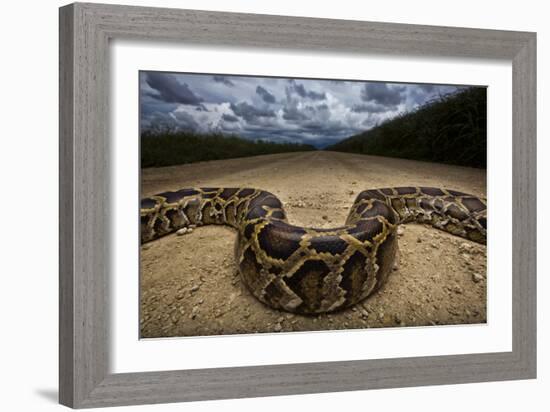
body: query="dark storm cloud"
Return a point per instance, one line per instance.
(292, 113)
(150, 105)
(332, 129)
(317, 112)
(318, 134)
(265, 95)
(383, 94)
(301, 91)
(249, 112)
(298, 113)
(186, 121)
(229, 118)
(316, 96)
(158, 121)
(427, 88)
(169, 90)
(369, 108)
(223, 80)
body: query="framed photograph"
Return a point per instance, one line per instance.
(258, 205)
(306, 139)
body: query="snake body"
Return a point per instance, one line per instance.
(307, 270)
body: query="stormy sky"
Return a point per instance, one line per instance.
(317, 112)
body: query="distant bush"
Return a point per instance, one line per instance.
(452, 129)
(167, 148)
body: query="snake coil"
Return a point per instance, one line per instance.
(307, 270)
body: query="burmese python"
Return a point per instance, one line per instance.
(306, 270)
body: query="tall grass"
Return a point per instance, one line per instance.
(452, 129)
(167, 148)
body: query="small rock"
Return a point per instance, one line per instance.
(476, 277)
(351, 192)
(189, 230)
(194, 288)
(232, 297)
(400, 230)
(465, 248)
(457, 289)
(453, 311)
(419, 240)
(278, 327)
(435, 246)
(192, 226)
(194, 312)
(325, 217)
(182, 231)
(397, 318)
(146, 246)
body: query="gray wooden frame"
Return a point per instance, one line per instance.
(85, 31)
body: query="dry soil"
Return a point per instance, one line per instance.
(190, 285)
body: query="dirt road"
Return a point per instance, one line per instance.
(190, 285)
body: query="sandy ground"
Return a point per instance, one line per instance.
(190, 285)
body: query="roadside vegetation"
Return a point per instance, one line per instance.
(167, 148)
(451, 129)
